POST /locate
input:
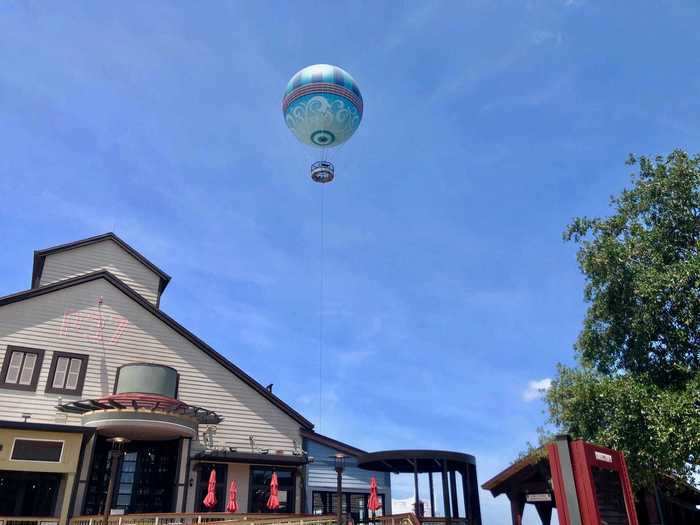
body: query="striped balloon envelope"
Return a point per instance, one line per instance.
(322, 105)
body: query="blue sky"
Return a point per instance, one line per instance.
(487, 127)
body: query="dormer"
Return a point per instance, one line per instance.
(103, 252)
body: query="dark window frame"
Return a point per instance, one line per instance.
(14, 450)
(200, 489)
(78, 390)
(346, 504)
(291, 496)
(31, 387)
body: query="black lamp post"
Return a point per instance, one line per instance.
(339, 467)
(118, 444)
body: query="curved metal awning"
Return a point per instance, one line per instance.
(143, 403)
(408, 461)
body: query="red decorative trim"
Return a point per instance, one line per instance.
(322, 88)
(145, 401)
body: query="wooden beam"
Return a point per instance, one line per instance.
(517, 506)
(544, 511)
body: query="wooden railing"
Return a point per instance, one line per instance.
(224, 518)
(442, 521)
(399, 519)
(194, 518)
(410, 519)
(26, 520)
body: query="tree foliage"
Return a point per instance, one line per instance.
(638, 387)
(657, 428)
(642, 266)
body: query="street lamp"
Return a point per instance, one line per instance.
(339, 467)
(118, 444)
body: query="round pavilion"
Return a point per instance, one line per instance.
(448, 465)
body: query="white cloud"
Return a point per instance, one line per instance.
(536, 389)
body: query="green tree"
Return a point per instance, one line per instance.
(638, 386)
(657, 428)
(642, 266)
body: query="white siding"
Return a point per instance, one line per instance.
(103, 255)
(39, 322)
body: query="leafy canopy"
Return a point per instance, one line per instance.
(638, 387)
(657, 428)
(642, 266)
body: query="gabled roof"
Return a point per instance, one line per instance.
(184, 332)
(497, 483)
(40, 257)
(332, 443)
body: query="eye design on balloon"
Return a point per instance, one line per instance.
(323, 107)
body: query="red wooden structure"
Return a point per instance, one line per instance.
(600, 482)
(587, 484)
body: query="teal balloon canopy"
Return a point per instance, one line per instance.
(322, 105)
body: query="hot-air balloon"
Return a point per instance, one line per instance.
(323, 107)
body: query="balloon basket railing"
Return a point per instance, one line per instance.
(322, 172)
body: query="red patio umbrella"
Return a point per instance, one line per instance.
(232, 505)
(273, 502)
(210, 499)
(373, 503)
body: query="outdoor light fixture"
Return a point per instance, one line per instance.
(339, 467)
(339, 462)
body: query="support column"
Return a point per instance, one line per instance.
(446, 492)
(88, 453)
(339, 498)
(453, 494)
(432, 494)
(517, 506)
(416, 507)
(474, 494)
(183, 474)
(466, 494)
(544, 511)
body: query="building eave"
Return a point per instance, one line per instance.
(227, 456)
(45, 427)
(184, 332)
(332, 443)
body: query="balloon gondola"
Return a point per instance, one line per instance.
(323, 108)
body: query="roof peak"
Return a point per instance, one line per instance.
(40, 257)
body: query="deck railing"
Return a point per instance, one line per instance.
(194, 518)
(399, 519)
(26, 520)
(411, 519)
(225, 518)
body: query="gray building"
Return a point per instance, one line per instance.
(321, 479)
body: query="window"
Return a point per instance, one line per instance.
(28, 493)
(259, 491)
(325, 502)
(145, 481)
(610, 497)
(203, 486)
(37, 450)
(21, 367)
(67, 373)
